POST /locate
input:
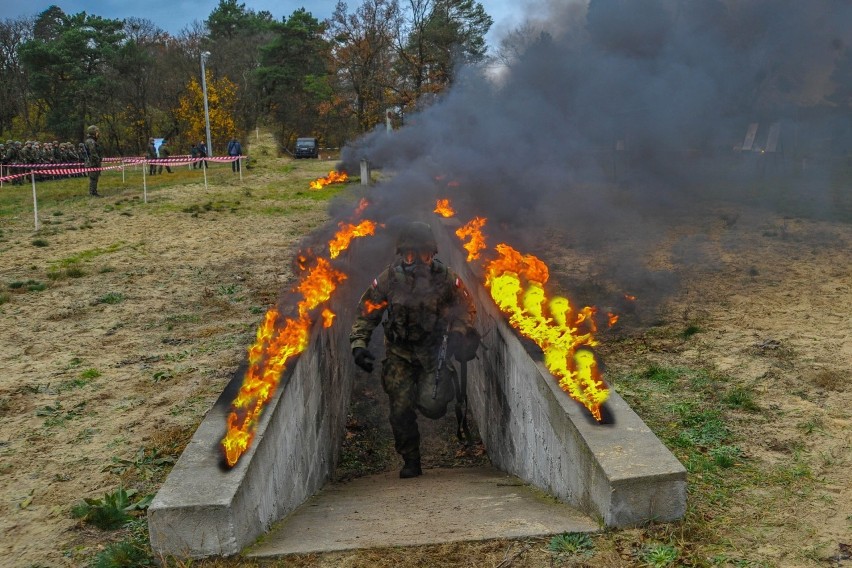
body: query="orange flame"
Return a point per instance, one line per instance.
(516, 283)
(613, 318)
(327, 317)
(347, 232)
(371, 307)
(332, 177)
(473, 232)
(629, 297)
(362, 205)
(269, 354)
(444, 209)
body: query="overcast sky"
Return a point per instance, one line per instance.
(174, 15)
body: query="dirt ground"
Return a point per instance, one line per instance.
(122, 322)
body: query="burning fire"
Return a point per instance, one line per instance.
(517, 285)
(276, 342)
(347, 232)
(473, 232)
(443, 208)
(332, 177)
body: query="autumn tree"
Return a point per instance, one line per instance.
(364, 55)
(221, 103)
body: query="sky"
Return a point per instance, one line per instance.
(175, 15)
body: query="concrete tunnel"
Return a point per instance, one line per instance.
(618, 474)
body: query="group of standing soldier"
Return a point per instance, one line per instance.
(29, 153)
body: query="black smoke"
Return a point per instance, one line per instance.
(615, 124)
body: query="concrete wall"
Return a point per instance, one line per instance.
(619, 473)
(205, 510)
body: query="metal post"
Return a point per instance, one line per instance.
(365, 172)
(144, 182)
(204, 56)
(205, 177)
(240, 164)
(35, 201)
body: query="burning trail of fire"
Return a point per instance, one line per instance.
(443, 208)
(517, 285)
(347, 232)
(277, 342)
(332, 177)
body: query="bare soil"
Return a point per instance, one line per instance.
(147, 310)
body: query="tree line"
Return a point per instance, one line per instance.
(332, 79)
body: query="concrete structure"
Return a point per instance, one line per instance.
(443, 505)
(619, 474)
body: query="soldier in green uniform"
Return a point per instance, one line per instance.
(94, 155)
(427, 308)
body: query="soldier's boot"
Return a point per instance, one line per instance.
(411, 468)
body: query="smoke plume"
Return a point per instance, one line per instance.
(612, 125)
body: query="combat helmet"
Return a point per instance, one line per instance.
(416, 236)
(93, 130)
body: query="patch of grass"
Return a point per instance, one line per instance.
(89, 254)
(725, 456)
(112, 511)
(40, 243)
(659, 555)
(571, 544)
(147, 464)
(4, 297)
(690, 331)
(57, 415)
(741, 398)
(811, 425)
(89, 374)
(663, 376)
(110, 298)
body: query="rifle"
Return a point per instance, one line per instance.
(442, 357)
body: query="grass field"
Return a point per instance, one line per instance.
(122, 321)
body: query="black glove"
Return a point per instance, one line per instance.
(363, 359)
(463, 346)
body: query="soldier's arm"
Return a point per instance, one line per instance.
(371, 308)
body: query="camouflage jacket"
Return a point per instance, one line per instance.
(94, 153)
(420, 310)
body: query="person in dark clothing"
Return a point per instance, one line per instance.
(94, 155)
(164, 154)
(430, 317)
(235, 149)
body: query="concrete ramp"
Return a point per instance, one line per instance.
(443, 505)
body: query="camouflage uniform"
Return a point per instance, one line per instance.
(423, 305)
(151, 155)
(94, 155)
(164, 154)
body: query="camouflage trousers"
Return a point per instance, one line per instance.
(93, 182)
(411, 387)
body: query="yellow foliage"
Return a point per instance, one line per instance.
(221, 104)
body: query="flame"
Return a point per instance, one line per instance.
(516, 283)
(371, 307)
(327, 317)
(347, 232)
(362, 205)
(629, 297)
(443, 208)
(268, 356)
(613, 318)
(472, 231)
(332, 177)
